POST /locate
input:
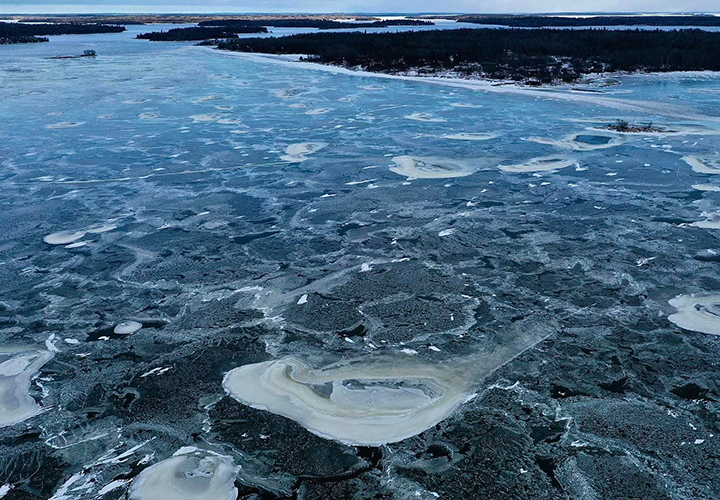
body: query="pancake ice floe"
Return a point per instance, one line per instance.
(127, 327)
(425, 117)
(18, 366)
(66, 237)
(299, 152)
(697, 313)
(541, 164)
(190, 474)
(583, 141)
(415, 167)
(463, 136)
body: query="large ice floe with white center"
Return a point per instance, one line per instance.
(190, 474)
(373, 400)
(18, 366)
(697, 313)
(415, 167)
(299, 152)
(541, 164)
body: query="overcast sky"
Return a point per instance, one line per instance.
(368, 6)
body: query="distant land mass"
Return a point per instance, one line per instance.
(30, 33)
(536, 21)
(194, 34)
(531, 56)
(314, 23)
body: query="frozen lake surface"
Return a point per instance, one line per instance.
(236, 276)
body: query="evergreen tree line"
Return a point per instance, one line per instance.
(544, 55)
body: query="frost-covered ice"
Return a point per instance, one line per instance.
(299, 152)
(698, 313)
(18, 366)
(541, 164)
(188, 475)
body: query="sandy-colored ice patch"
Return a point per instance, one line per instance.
(541, 164)
(61, 125)
(18, 366)
(425, 117)
(583, 141)
(299, 152)
(702, 164)
(363, 402)
(190, 474)
(414, 167)
(466, 136)
(697, 313)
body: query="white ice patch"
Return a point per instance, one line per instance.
(541, 164)
(127, 327)
(466, 136)
(414, 167)
(712, 221)
(17, 368)
(697, 313)
(706, 187)
(583, 141)
(194, 475)
(61, 125)
(299, 152)
(703, 165)
(303, 300)
(68, 237)
(425, 117)
(318, 111)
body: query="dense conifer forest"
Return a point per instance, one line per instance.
(534, 56)
(520, 21)
(29, 33)
(314, 23)
(190, 34)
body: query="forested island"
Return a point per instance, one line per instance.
(194, 34)
(530, 56)
(535, 21)
(323, 24)
(32, 33)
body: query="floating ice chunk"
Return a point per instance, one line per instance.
(706, 187)
(414, 167)
(446, 232)
(365, 267)
(299, 152)
(148, 116)
(209, 117)
(127, 327)
(697, 313)
(77, 244)
(61, 125)
(712, 221)
(465, 105)
(101, 228)
(63, 237)
(464, 136)
(363, 402)
(17, 368)
(541, 164)
(703, 165)
(318, 111)
(425, 117)
(584, 141)
(303, 299)
(191, 475)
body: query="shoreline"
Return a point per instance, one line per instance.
(562, 92)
